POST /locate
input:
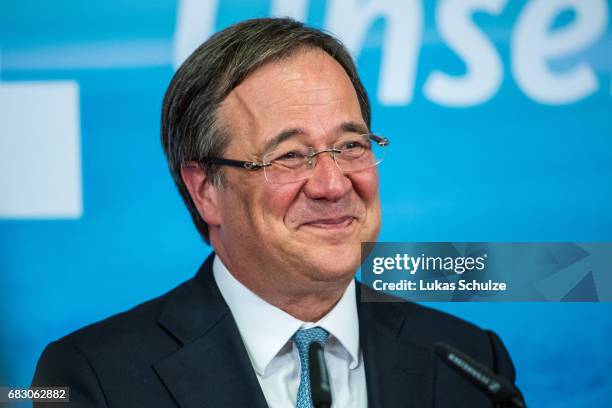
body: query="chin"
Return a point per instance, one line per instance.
(333, 273)
(334, 263)
(332, 255)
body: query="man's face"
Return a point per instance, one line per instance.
(309, 230)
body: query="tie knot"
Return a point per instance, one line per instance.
(303, 338)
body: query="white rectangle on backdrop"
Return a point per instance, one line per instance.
(40, 158)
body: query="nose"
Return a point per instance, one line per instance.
(327, 182)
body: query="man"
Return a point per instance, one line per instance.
(267, 132)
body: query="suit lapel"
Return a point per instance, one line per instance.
(399, 373)
(212, 368)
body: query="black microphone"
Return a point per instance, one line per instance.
(319, 379)
(495, 387)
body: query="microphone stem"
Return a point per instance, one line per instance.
(515, 403)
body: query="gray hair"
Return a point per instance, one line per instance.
(190, 129)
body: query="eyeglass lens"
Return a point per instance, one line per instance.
(291, 161)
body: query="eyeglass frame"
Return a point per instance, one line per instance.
(251, 165)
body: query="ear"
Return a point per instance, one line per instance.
(204, 195)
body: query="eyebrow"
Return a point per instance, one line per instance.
(352, 127)
(280, 138)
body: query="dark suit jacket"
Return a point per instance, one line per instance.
(184, 349)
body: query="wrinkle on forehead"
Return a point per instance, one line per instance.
(306, 98)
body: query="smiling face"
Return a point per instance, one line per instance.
(303, 233)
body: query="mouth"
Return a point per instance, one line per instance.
(331, 223)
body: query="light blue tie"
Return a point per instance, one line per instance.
(303, 339)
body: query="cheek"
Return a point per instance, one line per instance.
(277, 201)
(365, 185)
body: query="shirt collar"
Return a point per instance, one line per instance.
(265, 329)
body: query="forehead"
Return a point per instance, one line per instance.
(308, 90)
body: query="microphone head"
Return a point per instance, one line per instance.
(494, 386)
(319, 379)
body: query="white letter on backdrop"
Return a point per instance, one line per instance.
(484, 70)
(350, 21)
(534, 46)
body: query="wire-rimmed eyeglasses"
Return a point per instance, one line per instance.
(290, 161)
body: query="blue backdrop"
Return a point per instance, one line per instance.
(498, 112)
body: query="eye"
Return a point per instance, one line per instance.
(292, 155)
(354, 145)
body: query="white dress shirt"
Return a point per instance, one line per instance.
(267, 330)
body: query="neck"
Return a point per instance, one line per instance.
(310, 307)
(305, 299)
